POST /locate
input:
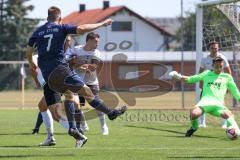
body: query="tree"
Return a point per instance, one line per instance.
(15, 29)
(215, 27)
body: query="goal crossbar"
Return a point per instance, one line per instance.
(215, 2)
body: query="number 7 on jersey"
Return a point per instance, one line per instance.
(49, 36)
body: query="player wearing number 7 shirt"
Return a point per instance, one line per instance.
(49, 40)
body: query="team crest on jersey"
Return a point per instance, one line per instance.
(41, 33)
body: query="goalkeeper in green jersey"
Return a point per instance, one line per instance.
(215, 85)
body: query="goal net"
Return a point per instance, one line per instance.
(218, 20)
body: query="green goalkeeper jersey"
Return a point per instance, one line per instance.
(215, 87)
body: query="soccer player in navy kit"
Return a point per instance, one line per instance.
(49, 40)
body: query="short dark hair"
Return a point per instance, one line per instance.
(211, 43)
(53, 13)
(92, 35)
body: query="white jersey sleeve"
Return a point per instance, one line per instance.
(39, 73)
(97, 55)
(35, 59)
(203, 65)
(226, 64)
(40, 78)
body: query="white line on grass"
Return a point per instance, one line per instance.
(118, 148)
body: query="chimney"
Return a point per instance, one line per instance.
(105, 4)
(82, 8)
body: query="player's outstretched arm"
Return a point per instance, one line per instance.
(233, 89)
(178, 76)
(188, 79)
(90, 27)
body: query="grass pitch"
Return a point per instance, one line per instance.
(170, 100)
(140, 135)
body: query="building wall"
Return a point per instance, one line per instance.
(109, 76)
(143, 36)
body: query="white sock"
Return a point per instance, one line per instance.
(48, 121)
(83, 122)
(202, 119)
(64, 123)
(101, 117)
(224, 122)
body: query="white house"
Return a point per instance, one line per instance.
(134, 31)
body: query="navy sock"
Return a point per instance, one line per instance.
(70, 112)
(39, 121)
(99, 105)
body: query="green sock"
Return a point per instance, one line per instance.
(194, 123)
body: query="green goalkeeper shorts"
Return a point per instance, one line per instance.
(214, 110)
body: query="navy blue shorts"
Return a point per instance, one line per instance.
(51, 97)
(62, 78)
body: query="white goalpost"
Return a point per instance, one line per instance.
(18, 65)
(231, 11)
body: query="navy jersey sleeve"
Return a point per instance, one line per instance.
(32, 41)
(69, 29)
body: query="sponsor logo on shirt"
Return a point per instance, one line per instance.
(214, 84)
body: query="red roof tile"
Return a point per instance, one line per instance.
(97, 15)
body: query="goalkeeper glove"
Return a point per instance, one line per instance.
(175, 74)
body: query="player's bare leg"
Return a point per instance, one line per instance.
(195, 113)
(56, 112)
(37, 124)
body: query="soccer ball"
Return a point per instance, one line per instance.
(231, 133)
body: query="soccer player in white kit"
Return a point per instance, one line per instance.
(206, 64)
(55, 106)
(90, 56)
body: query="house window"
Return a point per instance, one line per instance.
(121, 26)
(162, 71)
(128, 72)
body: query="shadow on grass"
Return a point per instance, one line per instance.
(205, 157)
(14, 134)
(23, 134)
(19, 146)
(182, 134)
(37, 155)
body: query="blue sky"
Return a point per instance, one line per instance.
(150, 8)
